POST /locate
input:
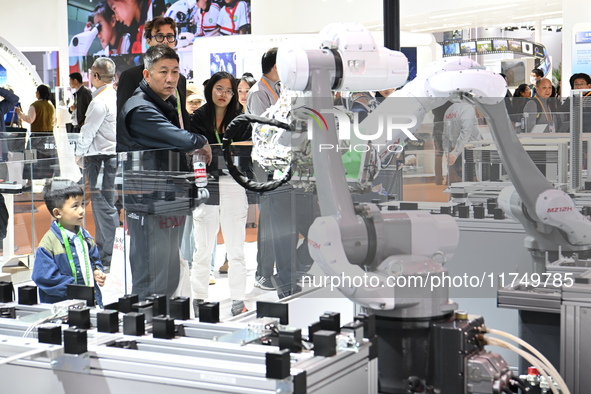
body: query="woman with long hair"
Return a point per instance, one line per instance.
(244, 85)
(227, 205)
(246, 82)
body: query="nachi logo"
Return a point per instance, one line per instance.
(385, 123)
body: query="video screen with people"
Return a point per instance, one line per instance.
(115, 28)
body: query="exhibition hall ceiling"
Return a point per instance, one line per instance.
(432, 16)
(415, 15)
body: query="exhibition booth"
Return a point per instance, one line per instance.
(406, 263)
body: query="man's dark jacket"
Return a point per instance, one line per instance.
(83, 98)
(128, 82)
(148, 122)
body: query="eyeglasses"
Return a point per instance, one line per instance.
(97, 75)
(581, 85)
(221, 91)
(160, 38)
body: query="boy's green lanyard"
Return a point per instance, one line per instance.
(85, 260)
(178, 104)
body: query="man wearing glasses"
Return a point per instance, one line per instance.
(581, 81)
(159, 30)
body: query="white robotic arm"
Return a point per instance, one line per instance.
(432, 88)
(373, 252)
(555, 208)
(358, 64)
(548, 215)
(348, 60)
(363, 240)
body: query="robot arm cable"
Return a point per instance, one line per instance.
(239, 124)
(540, 366)
(529, 347)
(37, 323)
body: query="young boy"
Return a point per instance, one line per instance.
(67, 254)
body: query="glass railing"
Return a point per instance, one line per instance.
(159, 234)
(428, 170)
(29, 163)
(177, 236)
(158, 199)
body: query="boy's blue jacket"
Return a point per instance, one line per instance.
(52, 272)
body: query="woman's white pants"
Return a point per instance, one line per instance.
(231, 214)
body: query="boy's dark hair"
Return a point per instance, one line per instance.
(269, 59)
(157, 52)
(57, 192)
(77, 76)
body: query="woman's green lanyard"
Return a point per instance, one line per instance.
(215, 131)
(86, 261)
